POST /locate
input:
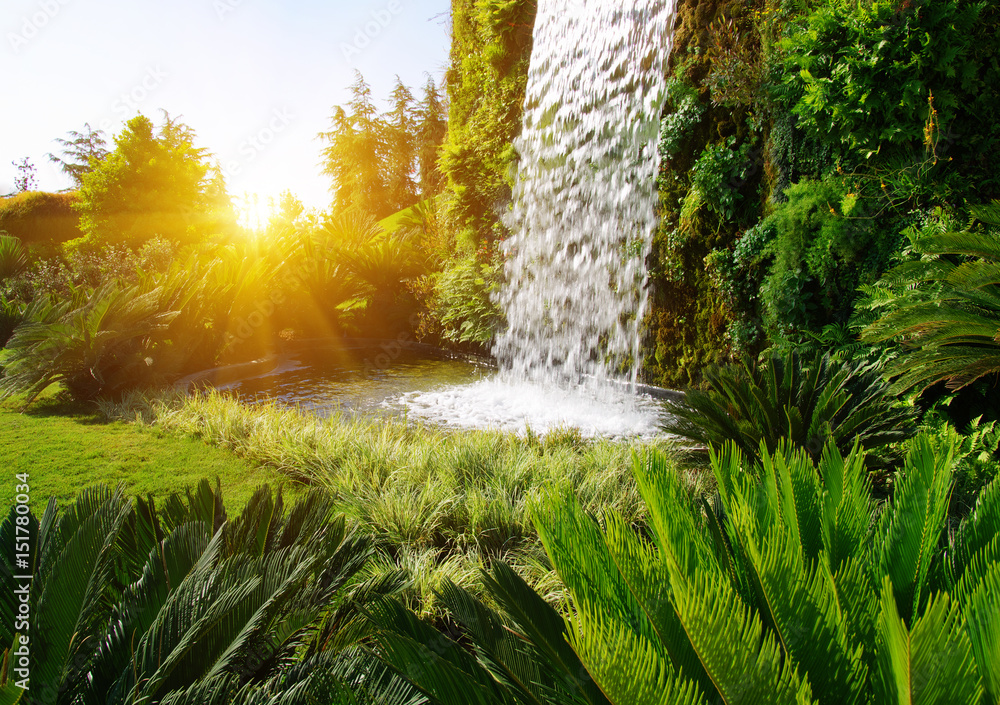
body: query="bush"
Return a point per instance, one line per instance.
(873, 76)
(824, 248)
(790, 586)
(802, 400)
(132, 602)
(97, 341)
(945, 308)
(41, 220)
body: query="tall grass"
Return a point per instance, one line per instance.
(441, 503)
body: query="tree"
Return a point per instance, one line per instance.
(27, 176)
(401, 149)
(153, 183)
(431, 133)
(355, 156)
(81, 154)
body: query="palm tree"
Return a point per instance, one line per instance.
(946, 308)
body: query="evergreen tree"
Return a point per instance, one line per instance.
(153, 184)
(432, 131)
(401, 152)
(81, 154)
(355, 156)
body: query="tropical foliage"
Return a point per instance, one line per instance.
(825, 130)
(803, 400)
(134, 603)
(95, 341)
(790, 585)
(945, 308)
(819, 600)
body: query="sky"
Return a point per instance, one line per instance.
(256, 79)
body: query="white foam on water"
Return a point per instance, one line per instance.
(515, 406)
(584, 203)
(582, 222)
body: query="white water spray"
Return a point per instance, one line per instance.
(584, 203)
(583, 220)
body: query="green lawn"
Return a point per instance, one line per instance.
(66, 448)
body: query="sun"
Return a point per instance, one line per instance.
(254, 211)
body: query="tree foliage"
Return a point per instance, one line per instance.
(382, 163)
(154, 183)
(81, 154)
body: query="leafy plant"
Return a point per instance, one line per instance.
(462, 301)
(154, 183)
(12, 256)
(788, 587)
(806, 400)
(866, 71)
(520, 649)
(977, 456)
(945, 308)
(96, 341)
(131, 603)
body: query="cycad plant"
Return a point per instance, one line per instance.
(789, 586)
(130, 603)
(95, 341)
(12, 257)
(802, 398)
(946, 307)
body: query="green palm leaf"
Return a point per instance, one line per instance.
(931, 664)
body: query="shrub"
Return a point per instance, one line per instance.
(12, 256)
(945, 308)
(823, 248)
(871, 75)
(41, 219)
(806, 400)
(96, 342)
(132, 602)
(790, 586)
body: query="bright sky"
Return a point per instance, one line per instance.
(256, 79)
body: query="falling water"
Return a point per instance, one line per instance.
(582, 223)
(584, 202)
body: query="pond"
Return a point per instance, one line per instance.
(426, 385)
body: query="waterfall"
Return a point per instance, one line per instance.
(583, 213)
(582, 223)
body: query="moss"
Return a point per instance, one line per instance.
(688, 319)
(491, 49)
